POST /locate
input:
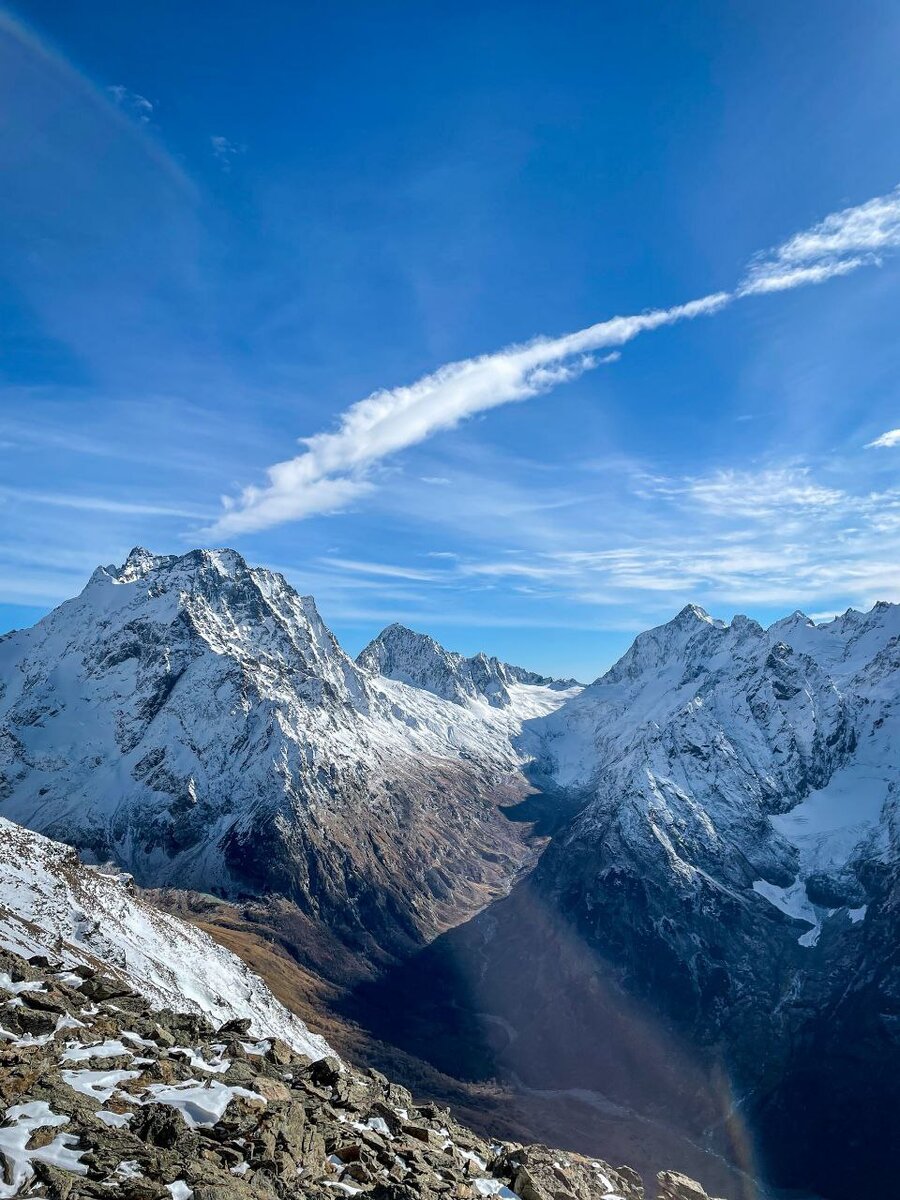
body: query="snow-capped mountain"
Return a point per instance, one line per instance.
(761, 759)
(194, 720)
(417, 659)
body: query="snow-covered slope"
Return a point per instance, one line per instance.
(193, 719)
(746, 755)
(52, 904)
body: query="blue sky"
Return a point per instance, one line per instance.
(222, 228)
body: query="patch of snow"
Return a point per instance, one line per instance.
(830, 823)
(129, 1168)
(494, 1187)
(98, 1085)
(9, 985)
(24, 1120)
(261, 1047)
(77, 1052)
(792, 901)
(201, 1104)
(472, 1157)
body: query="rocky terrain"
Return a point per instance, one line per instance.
(105, 1089)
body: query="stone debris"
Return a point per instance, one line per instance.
(113, 1099)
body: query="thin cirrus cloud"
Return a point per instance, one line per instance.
(97, 504)
(333, 469)
(885, 441)
(224, 151)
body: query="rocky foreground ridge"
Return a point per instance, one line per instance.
(101, 1094)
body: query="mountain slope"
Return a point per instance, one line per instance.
(193, 719)
(53, 905)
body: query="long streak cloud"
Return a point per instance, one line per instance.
(334, 468)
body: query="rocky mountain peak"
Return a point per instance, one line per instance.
(215, 600)
(417, 659)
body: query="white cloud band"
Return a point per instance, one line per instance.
(332, 470)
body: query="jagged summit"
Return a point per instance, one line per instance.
(417, 659)
(142, 562)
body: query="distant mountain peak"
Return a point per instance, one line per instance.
(417, 659)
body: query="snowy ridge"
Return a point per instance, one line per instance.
(52, 904)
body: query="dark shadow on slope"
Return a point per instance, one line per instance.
(547, 809)
(515, 996)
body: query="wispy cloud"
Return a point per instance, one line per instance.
(756, 493)
(387, 570)
(224, 151)
(331, 471)
(99, 504)
(334, 468)
(133, 103)
(886, 440)
(842, 243)
(781, 535)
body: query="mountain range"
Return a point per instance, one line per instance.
(669, 897)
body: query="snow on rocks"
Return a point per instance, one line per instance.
(22, 1122)
(45, 896)
(274, 1124)
(97, 1085)
(201, 1104)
